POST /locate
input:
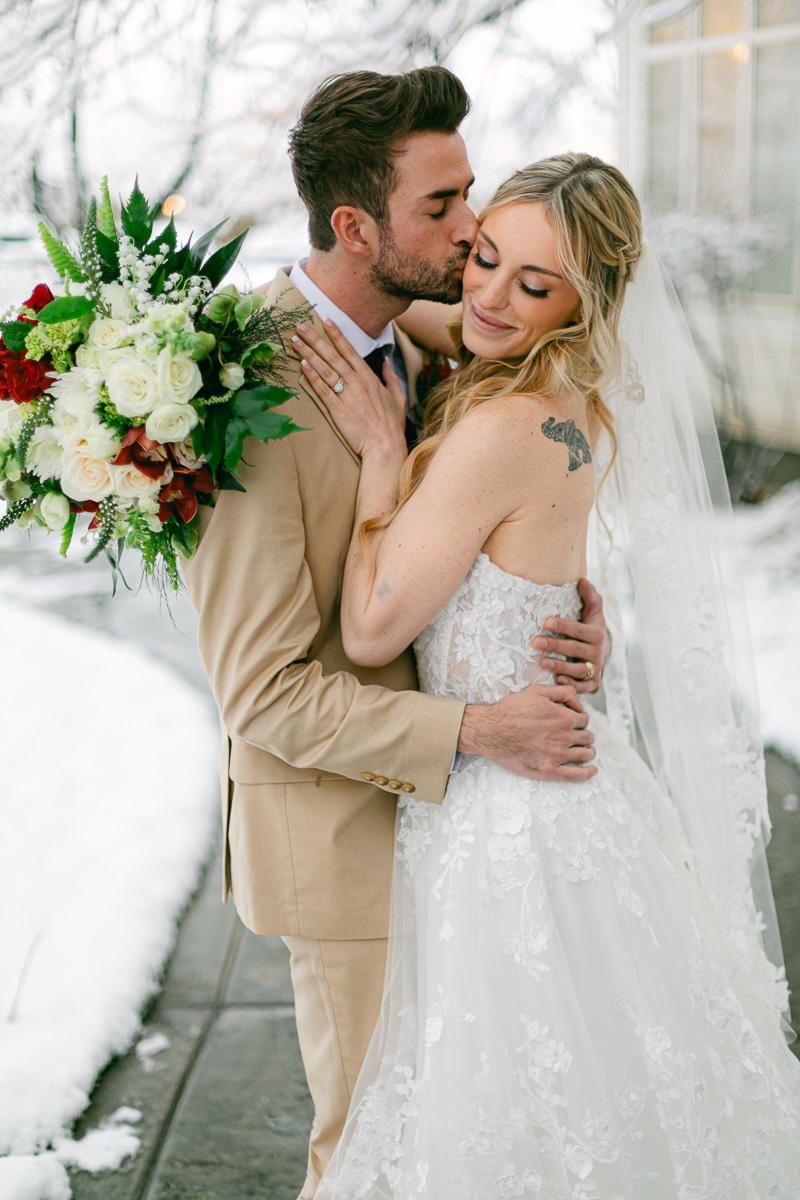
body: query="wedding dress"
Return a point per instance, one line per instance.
(584, 992)
(562, 1018)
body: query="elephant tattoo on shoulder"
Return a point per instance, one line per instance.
(568, 433)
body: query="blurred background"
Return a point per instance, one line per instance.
(698, 101)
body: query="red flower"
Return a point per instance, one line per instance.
(151, 458)
(39, 298)
(181, 492)
(21, 379)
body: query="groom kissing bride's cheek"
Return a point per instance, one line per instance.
(316, 748)
(398, 631)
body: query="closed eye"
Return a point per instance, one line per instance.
(481, 262)
(529, 291)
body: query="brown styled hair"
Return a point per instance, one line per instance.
(342, 148)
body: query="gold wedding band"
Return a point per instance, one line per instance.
(589, 672)
(339, 386)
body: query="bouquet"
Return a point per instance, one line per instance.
(127, 395)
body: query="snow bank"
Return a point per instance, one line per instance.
(33, 1177)
(107, 800)
(769, 544)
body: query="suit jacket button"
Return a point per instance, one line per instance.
(370, 778)
(394, 784)
(408, 787)
(381, 780)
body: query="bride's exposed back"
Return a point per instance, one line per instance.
(578, 1003)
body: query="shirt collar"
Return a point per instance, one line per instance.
(325, 308)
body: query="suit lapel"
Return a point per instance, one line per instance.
(283, 294)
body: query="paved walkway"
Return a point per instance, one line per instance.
(225, 1108)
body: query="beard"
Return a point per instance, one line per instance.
(404, 277)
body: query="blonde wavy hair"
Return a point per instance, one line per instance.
(597, 224)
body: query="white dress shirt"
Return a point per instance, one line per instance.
(361, 342)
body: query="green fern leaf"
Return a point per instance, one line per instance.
(105, 215)
(64, 262)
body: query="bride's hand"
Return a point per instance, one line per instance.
(372, 417)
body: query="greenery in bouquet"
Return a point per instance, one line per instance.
(129, 392)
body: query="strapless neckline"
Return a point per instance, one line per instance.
(485, 563)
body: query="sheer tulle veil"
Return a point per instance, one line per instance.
(681, 679)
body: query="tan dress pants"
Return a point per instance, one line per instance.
(337, 993)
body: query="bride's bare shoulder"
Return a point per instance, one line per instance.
(521, 429)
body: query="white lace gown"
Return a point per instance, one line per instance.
(560, 1019)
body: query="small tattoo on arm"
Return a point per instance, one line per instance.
(383, 590)
(576, 443)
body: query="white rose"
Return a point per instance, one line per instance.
(179, 377)
(106, 359)
(131, 484)
(132, 386)
(85, 356)
(107, 334)
(102, 441)
(117, 300)
(55, 510)
(232, 376)
(71, 420)
(10, 420)
(171, 423)
(84, 477)
(44, 453)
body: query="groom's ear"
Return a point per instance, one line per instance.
(355, 230)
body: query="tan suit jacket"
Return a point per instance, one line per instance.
(308, 837)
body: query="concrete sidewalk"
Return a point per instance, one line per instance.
(225, 1109)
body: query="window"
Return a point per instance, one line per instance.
(722, 96)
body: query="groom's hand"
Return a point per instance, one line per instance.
(586, 643)
(540, 732)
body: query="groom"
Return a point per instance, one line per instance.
(316, 750)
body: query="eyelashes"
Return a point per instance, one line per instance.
(481, 262)
(488, 266)
(529, 291)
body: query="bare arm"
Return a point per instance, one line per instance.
(541, 732)
(426, 323)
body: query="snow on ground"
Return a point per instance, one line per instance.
(769, 545)
(107, 797)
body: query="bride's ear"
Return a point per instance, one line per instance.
(355, 230)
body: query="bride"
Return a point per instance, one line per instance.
(578, 1002)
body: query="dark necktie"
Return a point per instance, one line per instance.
(375, 360)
